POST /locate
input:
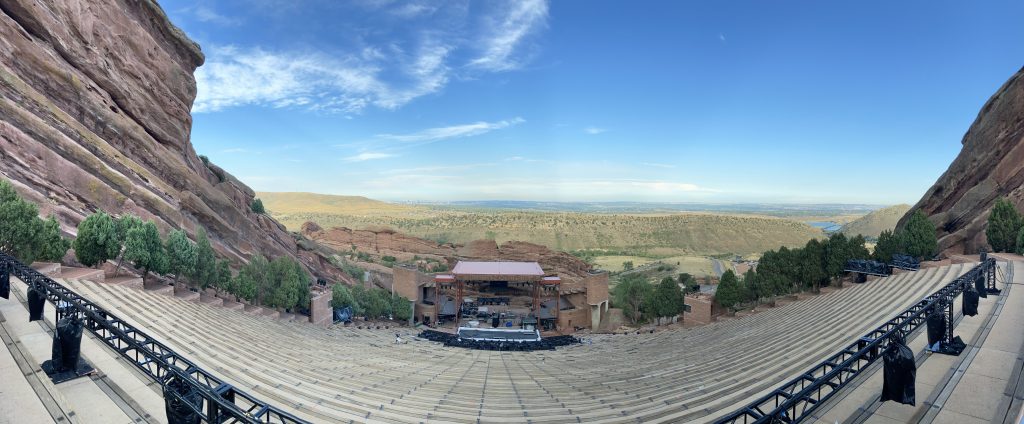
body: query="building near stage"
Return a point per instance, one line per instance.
(504, 294)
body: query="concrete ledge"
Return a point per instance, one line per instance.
(126, 281)
(72, 273)
(49, 269)
(211, 300)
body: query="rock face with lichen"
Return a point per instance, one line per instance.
(95, 100)
(990, 166)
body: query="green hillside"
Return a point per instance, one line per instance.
(872, 224)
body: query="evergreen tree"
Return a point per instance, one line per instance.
(181, 254)
(837, 252)
(52, 245)
(145, 250)
(889, 243)
(97, 240)
(728, 293)
(1004, 226)
(223, 280)
(256, 273)
(629, 295)
(257, 206)
(25, 236)
(19, 228)
(755, 290)
(121, 227)
(204, 273)
(921, 241)
(857, 249)
(812, 265)
(341, 297)
(243, 285)
(401, 308)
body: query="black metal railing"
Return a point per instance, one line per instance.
(798, 398)
(221, 402)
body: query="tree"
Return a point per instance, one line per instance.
(144, 249)
(19, 228)
(223, 280)
(401, 308)
(729, 291)
(256, 271)
(889, 243)
(204, 273)
(669, 299)
(921, 241)
(121, 227)
(257, 206)
(52, 245)
(181, 254)
(630, 294)
(755, 290)
(812, 265)
(341, 297)
(837, 252)
(1004, 225)
(97, 240)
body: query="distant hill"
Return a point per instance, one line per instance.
(660, 234)
(872, 224)
(298, 202)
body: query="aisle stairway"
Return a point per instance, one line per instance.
(350, 375)
(115, 394)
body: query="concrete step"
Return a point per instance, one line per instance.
(126, 281)
(91, 274)
(49, 269)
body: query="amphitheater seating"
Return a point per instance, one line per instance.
(345, 374)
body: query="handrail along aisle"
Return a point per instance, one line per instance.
(798, 398)
(223, 402)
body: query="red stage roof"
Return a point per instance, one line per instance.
(498, 268)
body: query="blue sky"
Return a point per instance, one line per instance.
(689, 101)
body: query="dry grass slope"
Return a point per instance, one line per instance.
(661, 234)
(872, 224)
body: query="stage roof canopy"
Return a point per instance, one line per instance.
(498, 271)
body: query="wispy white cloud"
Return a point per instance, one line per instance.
(658, 165)
(454, 131)
(438, 168)
(594, 130)
(206, 13)
(429, 45)
(365, 156)
(508, 32)
(721, 37)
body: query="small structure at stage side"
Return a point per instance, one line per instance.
(509, 295)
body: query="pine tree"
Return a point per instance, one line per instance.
(97, 240)
(181, 254)
(19, 228)
(921, 241)
(145, 250)
(52, 245)
(121, 227)
(630, 294)
(728, 292)
(1004, 225)
(204, 273)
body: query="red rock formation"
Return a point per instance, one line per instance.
(388, 242)
(95, 101)
(990, 166)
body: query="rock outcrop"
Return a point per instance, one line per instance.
(389, 242)
(990, 166)
(95, 100)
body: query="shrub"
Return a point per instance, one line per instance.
(1004, 226)
(257, 206)
(97, 240)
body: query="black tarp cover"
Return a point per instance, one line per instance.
(67, 343)
(936, 326)
(36, 301)
(971, 303)
(979, 286)
(5, 283)
(899, 373)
